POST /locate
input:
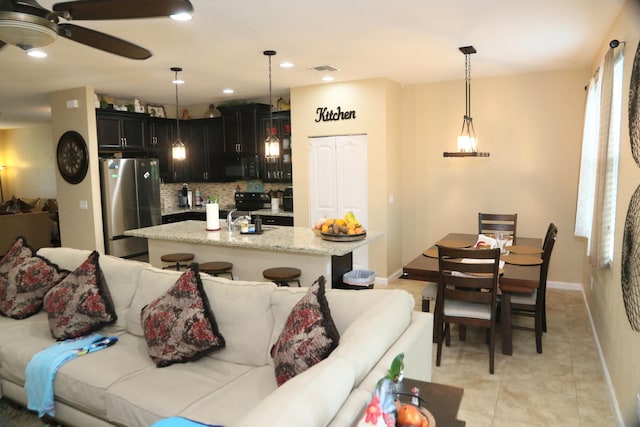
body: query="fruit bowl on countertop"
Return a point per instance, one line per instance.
(343, 237)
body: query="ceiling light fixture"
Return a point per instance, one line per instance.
(36, 53)
(467, 141)
(178, 150)
(271, 143)
(286, 64)
(184, 13)
(227, 91)
(26, 31)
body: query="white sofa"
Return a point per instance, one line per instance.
(235, 386)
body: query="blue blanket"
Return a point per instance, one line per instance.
(180, 422)
(41, 369)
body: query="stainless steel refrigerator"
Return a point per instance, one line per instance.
(130, 199)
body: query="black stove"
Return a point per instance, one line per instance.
(251, 201)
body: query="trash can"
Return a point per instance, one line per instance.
(358, 279)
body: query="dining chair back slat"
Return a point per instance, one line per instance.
(491, 223)
(467, 293)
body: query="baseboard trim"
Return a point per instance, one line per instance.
(613, 400)
(567, 286)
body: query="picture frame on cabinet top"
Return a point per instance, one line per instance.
(156, 111)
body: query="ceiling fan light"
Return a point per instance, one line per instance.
(181, 16)
(26, 31)
(37, 53)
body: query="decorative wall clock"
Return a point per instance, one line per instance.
(72, 157)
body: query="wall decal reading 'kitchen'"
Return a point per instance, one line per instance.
(323, 114)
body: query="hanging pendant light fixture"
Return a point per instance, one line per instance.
(178, 151)
(467, 142)
(271, 143)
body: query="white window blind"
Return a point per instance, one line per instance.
(597, 192)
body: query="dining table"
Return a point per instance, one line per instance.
(515, 277)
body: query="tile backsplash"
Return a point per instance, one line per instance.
(224, 190)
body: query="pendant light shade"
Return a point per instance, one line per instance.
(467, 141)
(178, 151)
(271, 142)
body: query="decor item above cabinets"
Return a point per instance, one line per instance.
(240, 127)
(119, 131)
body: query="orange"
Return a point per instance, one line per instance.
(409, 416)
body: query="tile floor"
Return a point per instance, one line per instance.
(563, 386)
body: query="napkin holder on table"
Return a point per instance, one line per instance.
(213, 216)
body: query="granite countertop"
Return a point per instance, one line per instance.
(263, 212)
(274, 238)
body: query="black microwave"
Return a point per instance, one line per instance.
(241, 167)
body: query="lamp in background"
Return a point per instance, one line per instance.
(271, 143)
(1, 193)
(467, 141)
(178, 151)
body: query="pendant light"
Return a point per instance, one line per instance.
(178, 151)
(467, 142)
(271, 143)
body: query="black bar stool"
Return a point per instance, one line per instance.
(216, 268)
(176, 259)
(282, 275)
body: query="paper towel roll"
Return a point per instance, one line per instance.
(213, 217)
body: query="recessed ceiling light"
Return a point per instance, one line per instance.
(178, 82)
(286, 64)
(328, 79)
(35, 53)
(227, 91)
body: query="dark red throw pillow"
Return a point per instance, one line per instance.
(179, 326)
(309, 335)
(81, 303)
(25, 278)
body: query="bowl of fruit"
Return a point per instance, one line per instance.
(346, 229)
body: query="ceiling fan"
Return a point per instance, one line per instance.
(27, 25)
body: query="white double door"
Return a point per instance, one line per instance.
(338, 182)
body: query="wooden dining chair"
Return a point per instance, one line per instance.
(534, 303)
(467, 292)
(490, 223)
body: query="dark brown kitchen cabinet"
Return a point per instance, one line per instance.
(240, 125)
(278, 169)
(203, 139)
(121, 130)
(161, 135)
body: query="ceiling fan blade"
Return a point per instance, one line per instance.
(122, 9)
(102, 41)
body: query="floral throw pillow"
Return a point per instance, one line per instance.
(81, 303)
(309, 335)
(179, 326)
(25, 278)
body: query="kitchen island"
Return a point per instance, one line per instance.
(250, 254)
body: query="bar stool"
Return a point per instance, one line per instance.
(216, 268)
(282, 275)
(176, 259)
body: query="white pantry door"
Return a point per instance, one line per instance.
(338, 182)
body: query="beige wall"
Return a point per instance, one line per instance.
(29, 158)
(79, 228)
(620, 344)
(532, 126)
(377, 115)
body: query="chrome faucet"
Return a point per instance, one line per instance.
(232, 222)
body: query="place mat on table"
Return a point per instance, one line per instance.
(518, 259)
(453, 243)
(524, 250)
(431, 253)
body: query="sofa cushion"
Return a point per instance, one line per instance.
(239, 306)
(140, 400)
(309, 335)
(121, 276)
(179, 326)
(24, 280)
(81, 303)
(310, 399)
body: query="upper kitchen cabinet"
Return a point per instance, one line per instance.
(278, 169)
(203, 139)
(120, 130)
(161, 133)
(240, 126)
